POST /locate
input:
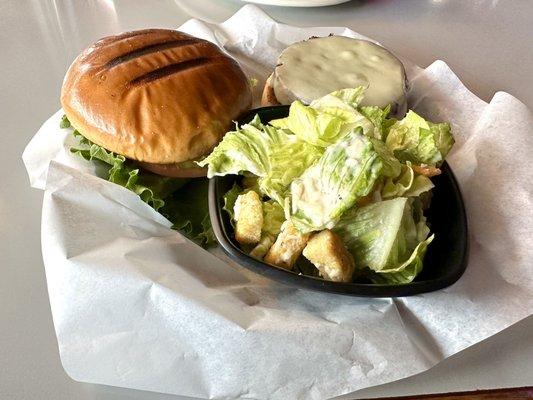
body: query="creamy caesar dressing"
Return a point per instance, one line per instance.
(354, 147)
(318, 197)
(311, 69)
(309, 195)
(354, 151)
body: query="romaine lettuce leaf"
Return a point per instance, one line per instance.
(274, 155)
(419, 141)
(407, 184)
(389, 237)
(346, 172)
(287, 161)
(230, 198)
(391, 166)
(261, 248)
(330, 118)
(250, 182)
(378, 117)
(246, 149)
(319, 129)
(273, 218)
(407, 270)
(344, 98)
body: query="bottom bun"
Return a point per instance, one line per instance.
(174, 170)
(269, 96)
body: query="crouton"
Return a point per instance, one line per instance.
(327, 252)
(287, 247)
(426, 170)
(249, 216)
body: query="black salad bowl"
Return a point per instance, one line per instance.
(444, 263)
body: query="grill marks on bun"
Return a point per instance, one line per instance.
(175, 68)
(155, 96)
(159, 47)
(151, 48)
(163, 71)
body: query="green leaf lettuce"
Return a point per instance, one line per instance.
(182, 201)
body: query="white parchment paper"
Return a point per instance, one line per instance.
(137, 305)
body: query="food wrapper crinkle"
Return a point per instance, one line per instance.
(137, 305)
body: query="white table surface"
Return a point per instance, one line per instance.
(488, 43)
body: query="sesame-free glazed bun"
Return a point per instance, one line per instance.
(157, 96)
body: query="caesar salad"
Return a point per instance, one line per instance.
(335, 190)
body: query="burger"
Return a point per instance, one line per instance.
(159, 97)
(308, 70)
(148, 104)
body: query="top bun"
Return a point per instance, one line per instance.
(156, 96)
